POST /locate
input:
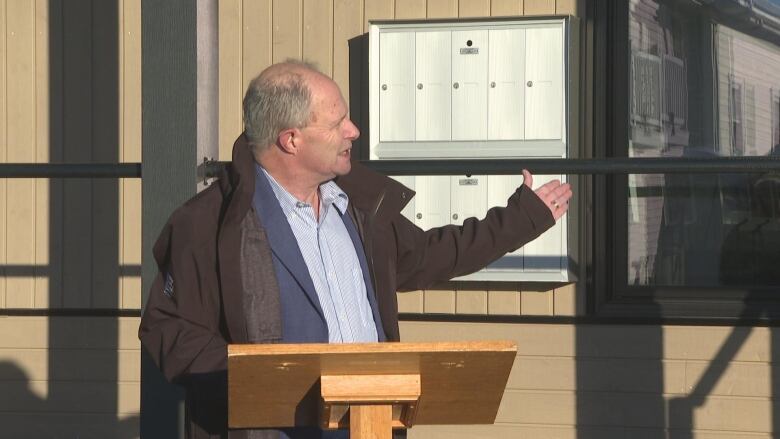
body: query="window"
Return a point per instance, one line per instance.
(699, 81)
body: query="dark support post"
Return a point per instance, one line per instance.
(179, 128)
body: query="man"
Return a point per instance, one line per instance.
(297, 244)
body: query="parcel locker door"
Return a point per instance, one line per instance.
(544, 83)
(500, 188)
(546, 252)
(469, 195)
(432, 88)
(396, 86)
(506, 88)
(432, 201)
(469, 84)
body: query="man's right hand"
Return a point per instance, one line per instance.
(553, 194)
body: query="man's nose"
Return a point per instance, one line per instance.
(352, 130)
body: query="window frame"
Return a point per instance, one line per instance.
(610, 296)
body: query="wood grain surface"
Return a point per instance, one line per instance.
(280, 385)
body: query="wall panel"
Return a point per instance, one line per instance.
(83, 384)
(503, 302)
(46, 292)
(105, 120)
(318, 34)
(439, 301)
(130, 151)
(411, 301)
(287, 26)
(377, 10)
(410, 9)
(608, 381)
(347, 25)
(539, 7)
(472, 302)
(442, 8)
(20, 147)
(255, 47)
(77, 111)
(474, 8)
(3, 148)
(566, 7)
(506, 7)
(231, 85)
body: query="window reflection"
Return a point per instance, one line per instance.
(702, 88)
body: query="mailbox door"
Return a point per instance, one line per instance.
(544, 83)
(432, 89)
(469, 84)
(469, 197)
(396, 86)
(506, 85)
(432, 202)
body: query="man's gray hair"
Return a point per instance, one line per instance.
(277, 99)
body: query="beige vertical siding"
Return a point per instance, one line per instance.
(614, 381)
(70, 91)
(539, 7)
(347, 23)
(506, 7)
(287, 27)
(317, 33)
(130, 134)
(89, 389)
(20, 146)
(3, 144)
(73, 243)
(442, 8)
(410, 9)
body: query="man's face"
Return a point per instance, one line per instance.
(326, 142)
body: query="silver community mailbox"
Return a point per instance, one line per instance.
(471, 89)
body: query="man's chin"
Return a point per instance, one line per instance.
(344, 169)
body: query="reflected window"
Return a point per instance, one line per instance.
(699, 86)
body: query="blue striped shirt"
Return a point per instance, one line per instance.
(332, 261)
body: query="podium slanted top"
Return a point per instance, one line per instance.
(278, 385)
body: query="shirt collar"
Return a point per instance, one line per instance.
(330, 193)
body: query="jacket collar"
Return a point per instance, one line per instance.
(374, 193)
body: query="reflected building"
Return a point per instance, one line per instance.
(700, 89)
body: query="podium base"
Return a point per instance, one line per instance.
(371, 421)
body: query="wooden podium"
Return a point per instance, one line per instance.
(370, 388)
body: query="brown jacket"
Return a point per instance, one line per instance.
(204, 252)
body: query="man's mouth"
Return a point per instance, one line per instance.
(346, 153)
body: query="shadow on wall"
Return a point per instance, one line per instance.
(29, 411)
(81, 395)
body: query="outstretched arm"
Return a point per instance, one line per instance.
(439, 254)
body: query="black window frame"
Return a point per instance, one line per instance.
(606, 34)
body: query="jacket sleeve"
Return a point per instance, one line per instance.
(180, 324)
(439, 254)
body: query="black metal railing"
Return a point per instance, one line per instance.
(644, 165)
(665, 165)
(70, 170)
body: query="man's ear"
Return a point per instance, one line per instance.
(287, 139)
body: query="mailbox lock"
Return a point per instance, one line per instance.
(384, 86)
(454, 216)
(492, 84)
(530, 83)
(419, 216)
(455, 85)
(419, 86)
